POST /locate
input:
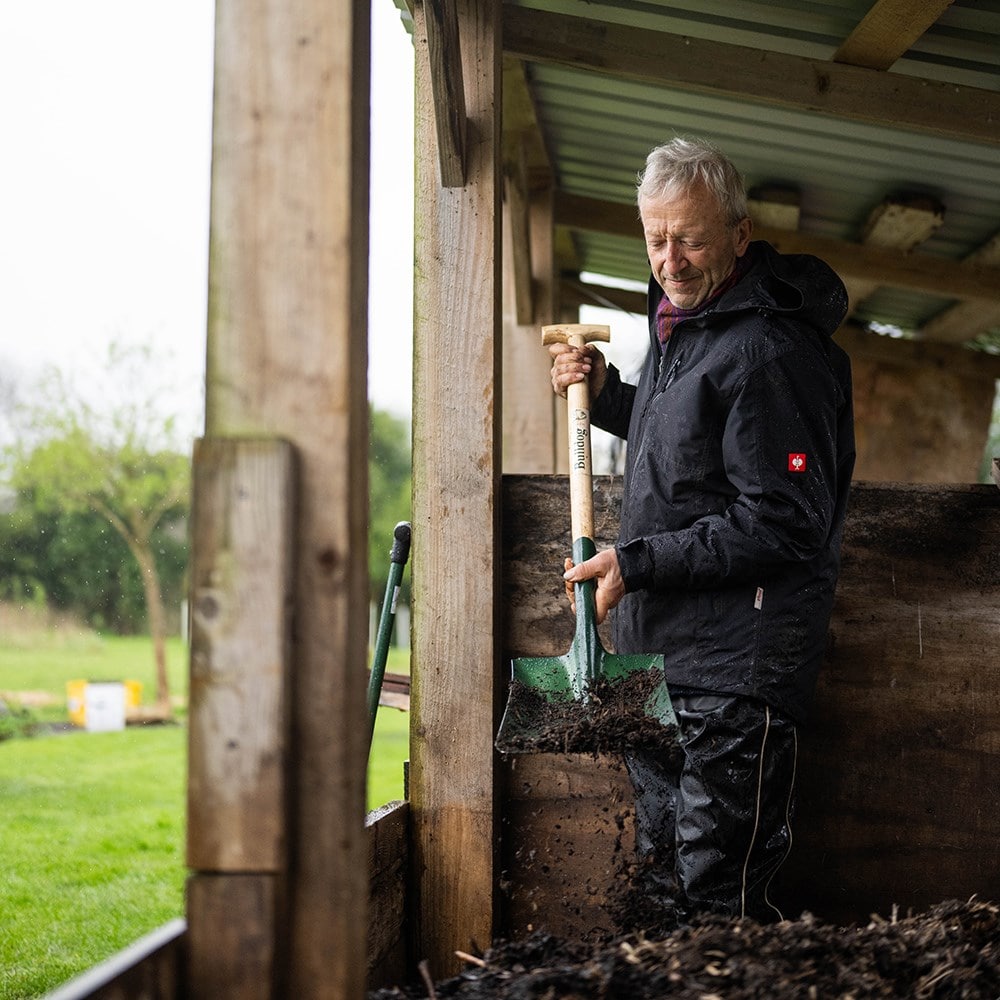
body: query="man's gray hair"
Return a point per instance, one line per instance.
(680, 163)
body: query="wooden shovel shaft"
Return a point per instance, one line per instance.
(581, 490)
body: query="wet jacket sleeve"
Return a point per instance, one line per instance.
(612, 409)
(779, 463)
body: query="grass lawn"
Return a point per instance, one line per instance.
(94, 822)
(390, 747)
(93, 849)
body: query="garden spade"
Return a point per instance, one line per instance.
(539, 682)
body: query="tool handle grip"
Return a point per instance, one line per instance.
(581, 489)
(400, 543)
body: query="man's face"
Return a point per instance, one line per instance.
(692, 248)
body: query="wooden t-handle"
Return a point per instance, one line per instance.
(581, 490)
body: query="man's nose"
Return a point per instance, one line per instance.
(674, 256)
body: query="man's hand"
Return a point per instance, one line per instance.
(604, 569)
(574, 364)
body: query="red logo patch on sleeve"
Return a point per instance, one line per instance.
(796, 462)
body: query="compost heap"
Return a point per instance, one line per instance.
(951, 951)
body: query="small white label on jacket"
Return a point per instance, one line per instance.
(759, 599)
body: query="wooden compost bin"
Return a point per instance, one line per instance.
(899, 801)
(898, 798)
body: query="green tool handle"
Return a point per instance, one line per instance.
(397, 561)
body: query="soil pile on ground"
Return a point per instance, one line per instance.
(951, 951)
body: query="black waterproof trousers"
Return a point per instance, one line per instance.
(712, 831)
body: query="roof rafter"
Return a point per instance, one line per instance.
(888, 31)
(899, 223)
(851, 92)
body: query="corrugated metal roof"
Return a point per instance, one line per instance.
(598, 128)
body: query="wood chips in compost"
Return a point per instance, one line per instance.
(950, 951)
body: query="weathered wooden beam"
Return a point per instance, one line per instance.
(887, 31)
(858, 342)
(233, 935)
(899, 223)
(242, 579)
(567, 257)
(950, 358)
(920, 272)
(287, 355)
(775, 207)
(517, 237)
(447, 87)
(456, 472)
(919, 423)
(967, 320)
(576, 293)
(688, 63)
(521, 134)
(529, 423)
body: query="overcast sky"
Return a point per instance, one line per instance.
(104, 191)
(104, 186)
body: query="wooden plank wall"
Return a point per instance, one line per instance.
(388, 869)
(898, 797)
(920, 423)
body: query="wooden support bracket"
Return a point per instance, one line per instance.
(447, 88)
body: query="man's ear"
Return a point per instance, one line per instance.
(744, 229)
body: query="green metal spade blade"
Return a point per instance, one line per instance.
(553, 699)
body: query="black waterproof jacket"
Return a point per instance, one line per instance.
(738, 466)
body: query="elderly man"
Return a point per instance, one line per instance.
(739, 459)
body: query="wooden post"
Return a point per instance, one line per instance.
(456, 459)
(241, 580)
(287, 358)
(241, 583)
